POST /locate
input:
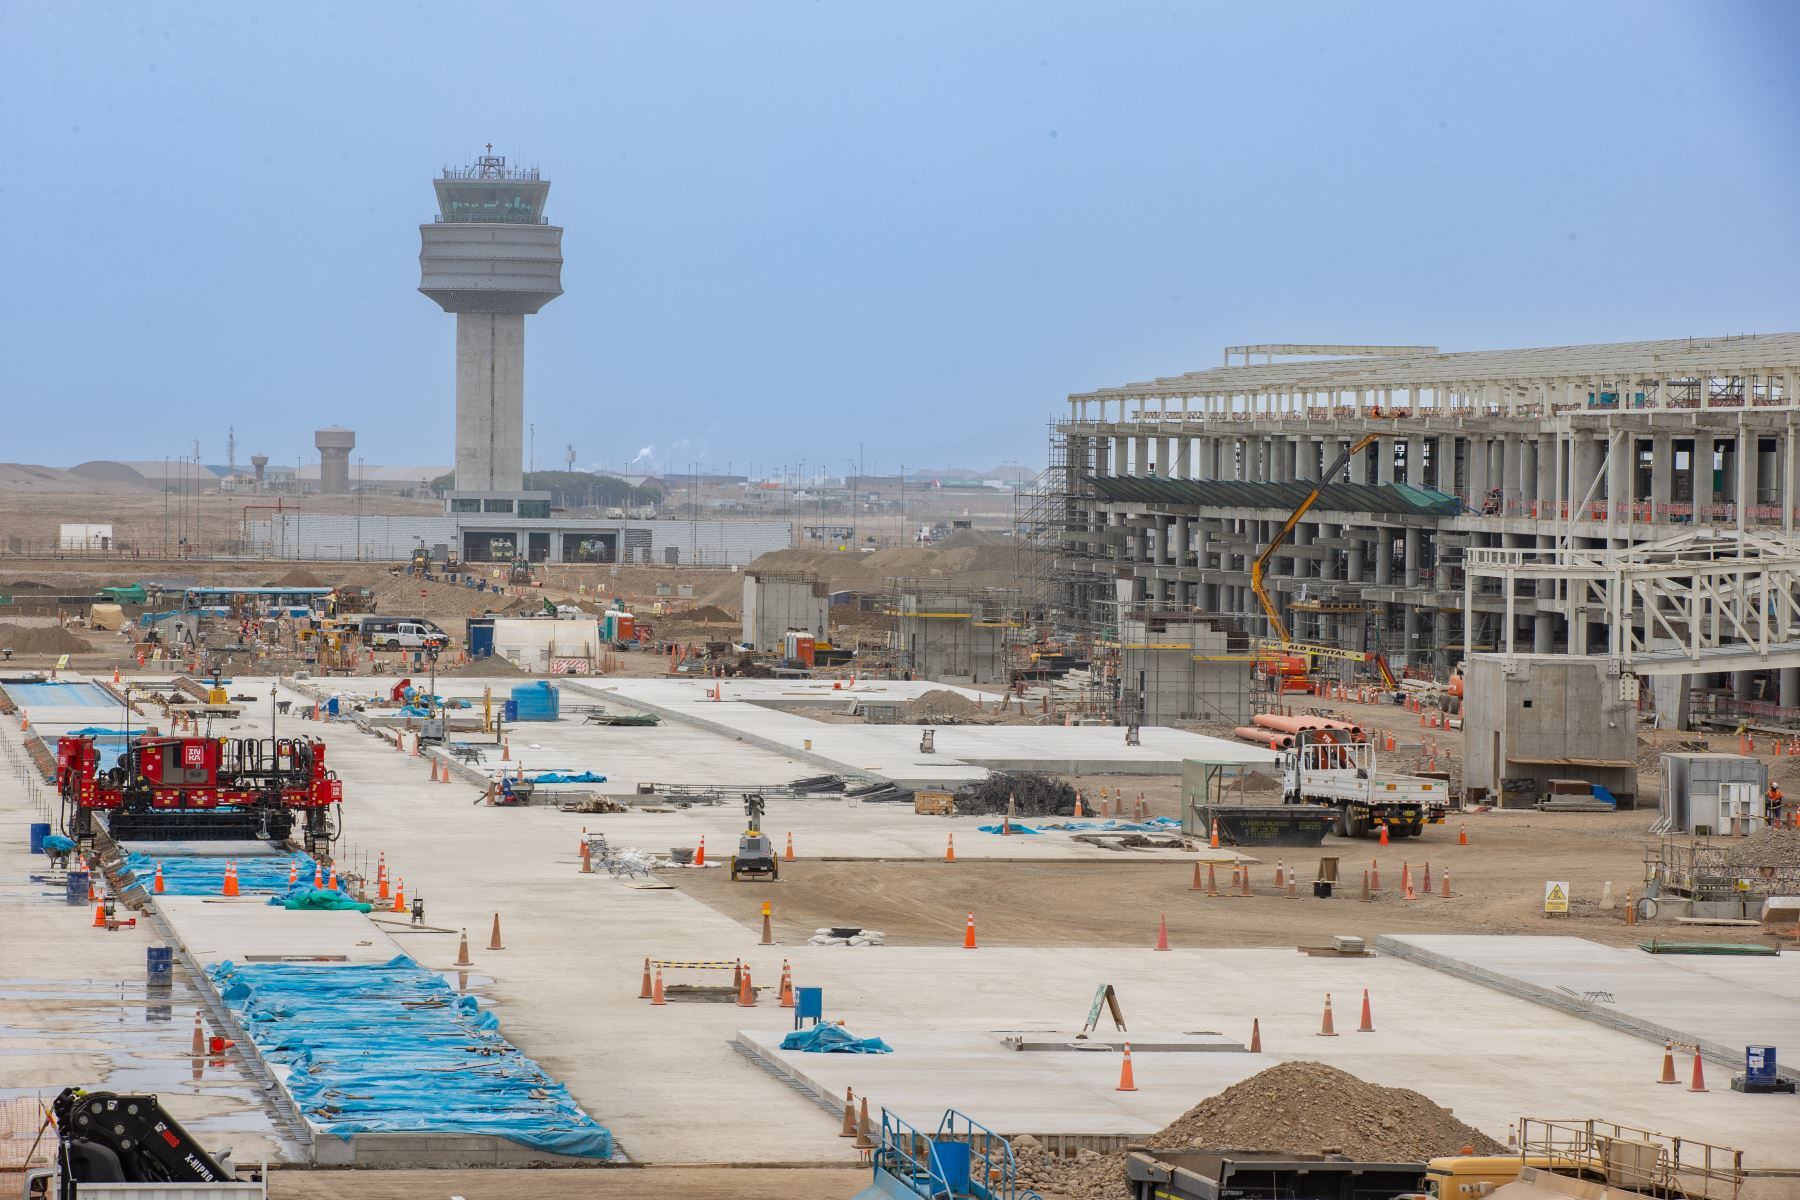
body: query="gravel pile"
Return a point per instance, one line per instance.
(1297, 1107)
(942, 706)
(1766, 848)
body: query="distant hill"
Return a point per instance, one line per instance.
(29, 477)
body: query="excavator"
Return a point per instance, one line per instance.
(1259, 565)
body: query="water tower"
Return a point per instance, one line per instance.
(335, 444)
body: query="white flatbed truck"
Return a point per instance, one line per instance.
(1345, 776)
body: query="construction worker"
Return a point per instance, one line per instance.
(1773, 810)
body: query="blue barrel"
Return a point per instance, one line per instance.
(509, 711)
(39, 831)
(159, 966)
(78, 888)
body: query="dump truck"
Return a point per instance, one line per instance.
(1346, 776)
(127, 1147)
(1230, 1174)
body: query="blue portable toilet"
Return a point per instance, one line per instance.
(481, 637)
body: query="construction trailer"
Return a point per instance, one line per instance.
(778, 603)
(953, 633)
(1530, 719)
(1712, 793)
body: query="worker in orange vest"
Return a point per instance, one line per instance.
(1773, 812)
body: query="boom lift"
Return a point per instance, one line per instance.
(1260, 564)
(107, 1142)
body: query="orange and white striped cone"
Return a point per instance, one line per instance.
(1326, 1026)
(1698, 1083)
(969, 933)
(1127, 1081)
(1668, 1070)
(1368, 1018)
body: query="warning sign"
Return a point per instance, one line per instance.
(1556, 896)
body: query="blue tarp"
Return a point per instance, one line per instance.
(306, 897)
(833, 1039)
(391, 1048)
(1153, 825)
(567, 777)
(58, 843)
(202, 875)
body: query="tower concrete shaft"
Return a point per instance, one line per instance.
(334, 444)
(492, 259)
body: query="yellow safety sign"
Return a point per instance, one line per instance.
(1556, 897)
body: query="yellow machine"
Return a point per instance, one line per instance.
(1261, 562)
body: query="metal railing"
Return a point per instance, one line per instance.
(1644, 1161)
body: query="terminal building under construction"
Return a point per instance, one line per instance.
(1502, 495)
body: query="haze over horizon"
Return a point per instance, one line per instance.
(793, 229)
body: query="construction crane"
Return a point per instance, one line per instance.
(1261, 562)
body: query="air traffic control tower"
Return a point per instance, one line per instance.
(491, 258)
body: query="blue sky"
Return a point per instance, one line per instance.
(797, 227)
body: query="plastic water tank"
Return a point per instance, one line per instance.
(537, 701)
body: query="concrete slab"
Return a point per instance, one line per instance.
(215, 930)
(1721, 1004)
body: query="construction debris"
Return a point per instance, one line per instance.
(1029, 794)
(1295, 1107)
(1766, 848)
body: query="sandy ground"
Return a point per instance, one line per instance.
(1496, 887)
(695, 1183)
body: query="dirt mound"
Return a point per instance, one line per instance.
(43, 639)
(490, 666)
(964, 539)
(940, 706)
(1296, 1107)
(1766, 848)
(296, 580)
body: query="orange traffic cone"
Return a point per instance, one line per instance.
(700, 854)
(462, 952)
(587, 859)
(864, 1140)
(1374, 875)
(1368, 1018)
(1213, 840)
(1212, 880)
(1425, 878)
(656, 991)
(294, 875)
(1384, 837)
(1162, 932)
(400, 895)
(1446, 885)
(1326, 1028)
(199, 1046)
(1280, 874)
(1196, 885)
(100, 916)
(644, 991)
(768, 936)
(746, 991)
(849, 1129)
(1462, 835)
(1668, 1071)
(231, 879)
(494, 942)
(157, 884)
(331, 884)
(1078, 812)
(1245, 879)
(788, 854)
(1256, 1035)
(950, 848)
(786, 997)
(1406, 877)
(381, 878)
(1126, 1082)
(318, 877)
(505, 749)
(969, 933)
(1699, 1081)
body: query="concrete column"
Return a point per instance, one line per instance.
(1415, 458)
(1353, 561)
(1358, 470)
(1701, 470)
(1183, 531)
(1182, 448)
(1160, 542)
(1662, 474)
(1511, 457)
(1744, 467)
(1618, 481)
(490, 401)
(1543, 634)
(1476, 452)
(1140, 456)
(1384, 557)
(1120, 454)
(1412, 558)
(1384, 461)
(1790, 687)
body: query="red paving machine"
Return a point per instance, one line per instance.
(201, 789)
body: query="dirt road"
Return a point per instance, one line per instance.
(691, 1183)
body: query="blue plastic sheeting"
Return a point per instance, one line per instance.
(58, 843)
(1603, 794)
(568, 777)
(203, 875)
(60, 695)
(307, 898)
(833, 1039)
(1153, 825)
(391, 1048)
